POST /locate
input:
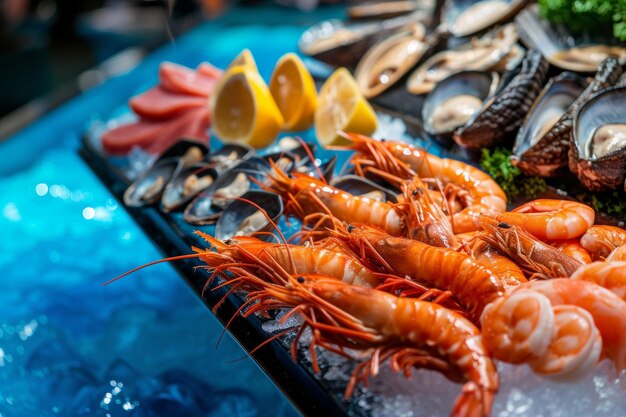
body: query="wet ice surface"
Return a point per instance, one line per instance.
(143, 346)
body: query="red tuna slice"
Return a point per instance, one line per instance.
(183, 80)
(144, 133)
(158, 103)
(209, 70)
(195, 128)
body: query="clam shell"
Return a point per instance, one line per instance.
(607, 172)
(505, 111)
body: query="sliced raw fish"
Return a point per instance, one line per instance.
(179, 79)
(158, 103)
(209, 70)
(146, 133)
(196, 127)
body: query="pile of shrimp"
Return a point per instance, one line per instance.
(444, 279)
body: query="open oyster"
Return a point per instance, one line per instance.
(468, 17)
(560, 48)
(598, 142)
(543, 152)
(479, 54)
(456, 100)
(505, 111)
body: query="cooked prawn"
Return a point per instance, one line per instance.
(574, 249)
(315, 202)
(536, 258)
(551, 219)
(499, 264)
(295, 259)
(618, 254)
(473, 284)
(600, 241)
(477, 191)
(407, 331)
(610, 275)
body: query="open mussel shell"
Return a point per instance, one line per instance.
(242, 218)
(149, 186)
(389, 60)
(468, 17)
(318, 169)
(207, 207)
(540, 147)
(360, 186)
(560, 48)
(186, 184)
(479, 54)
(598, 146)
(230, 155)
(503, 113)
(455, 100)
(340, 43)
(543, 151)
(183, 146)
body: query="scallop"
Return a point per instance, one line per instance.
(598, 142)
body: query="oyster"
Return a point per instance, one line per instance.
(242, 218)
(598, 141)
(562, 49)
(456, 100)
(468, 17)
(389, 60)
(479, 54)
(505, 111)
(344, 43)
(543, 151)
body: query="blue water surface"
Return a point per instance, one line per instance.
(146, 345)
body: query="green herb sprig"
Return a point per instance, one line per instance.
(587, 15)
(497, 163)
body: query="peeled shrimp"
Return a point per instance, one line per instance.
(551, 219)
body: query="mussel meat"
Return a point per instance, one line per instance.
(562, 49)
(505, 111)
(479, 54)
(455, 100)
(186, 184)
(242, 218)
(598, 141)
(468, 17)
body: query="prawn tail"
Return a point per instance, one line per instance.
(217, 244)
(474, 401)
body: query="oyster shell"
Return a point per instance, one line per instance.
(545, 155)
(242, 218)
(479, 54)
(560, 48)
(340, 43)
(468, 17)
(598, 142)
(505, 111)
(389, 60)
(455, 100)
(387, 9)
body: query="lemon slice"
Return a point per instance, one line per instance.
(243, 109)
(244, 58)
(293, 90)
(342, 107)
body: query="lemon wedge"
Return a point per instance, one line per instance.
(243, 109)
(244, 58)
(293, 89)
(342, 107)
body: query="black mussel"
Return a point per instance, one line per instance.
(183, 145)
(562, 49)
(482, 54)
(150, 184)
(468, 17)
(230, 155)
(316, 168)
(186, 184)
(240, 218)
(207, 207)
(455, 100)
(546, 155)
(363, 187)
(340, 43)
(598, 141)
(505, 111)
